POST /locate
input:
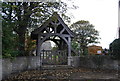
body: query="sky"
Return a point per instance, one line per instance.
(103, 14)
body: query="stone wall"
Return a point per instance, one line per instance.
(97, 62)
(26, 63)
(19, 64)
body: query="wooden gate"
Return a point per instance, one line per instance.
(54, 57)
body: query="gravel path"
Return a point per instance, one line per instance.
(63, 74)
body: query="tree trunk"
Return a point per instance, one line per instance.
(83, 49)
(22, 44)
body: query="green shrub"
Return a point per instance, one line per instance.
(10, 53)
(115, 49)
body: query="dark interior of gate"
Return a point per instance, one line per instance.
(56, 30)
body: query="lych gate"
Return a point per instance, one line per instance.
(56, 30)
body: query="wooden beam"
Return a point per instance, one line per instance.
(48, 30)
(54, 34)
(62, 30)
(49, 21)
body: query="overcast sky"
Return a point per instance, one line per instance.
(103, 14)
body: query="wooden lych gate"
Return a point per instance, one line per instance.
(56, 30)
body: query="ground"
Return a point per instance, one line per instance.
(63, 73)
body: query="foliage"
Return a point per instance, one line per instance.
(75, 45)
(85, 34)
(20, 17)
(9, 40)
(55, 48)
(115, 48)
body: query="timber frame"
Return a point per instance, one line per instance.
(53, 28)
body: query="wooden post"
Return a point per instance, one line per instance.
(43, 54)
(38, 45)
(69, 51)
(39, 49)
(69, 46)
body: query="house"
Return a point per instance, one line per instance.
(95, 50)
(46, 45)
